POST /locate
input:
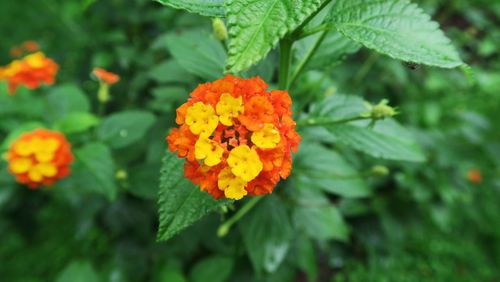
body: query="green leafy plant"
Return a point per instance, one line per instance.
(398, 164)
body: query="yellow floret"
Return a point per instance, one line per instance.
(44, 149)
(35, 60)
(201, 119)
(13, 68)
(47, 169)
(41, 170)
(229, 108)
(43, 156)
(208, 150)
(23, 148)
(244, 162)
(51, 145)
(232, 185)
(266, 138)
(22, 165)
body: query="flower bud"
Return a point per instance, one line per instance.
(223, 230)
(121, 174)
(220, 30)
(103, 93)
(380, 111)
(379, 171)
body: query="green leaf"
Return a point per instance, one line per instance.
(388, 140)
(94, 170)
(317, 217)
(169, 94)
(396, 28)
(122, 129)
(78, 271)
(214, 269)
(66, 99)
(13, 135)
(317, 167)
(180, 202)
(255, 26)
(76, 122)
(167, 97)
(24, 103)
(143, 181)
(172, 276)
(170, 71)
(338, 107)
(5, 177)
(267, 234)
(198, 53)
(303, 256)
(209, 8)
(332, 51)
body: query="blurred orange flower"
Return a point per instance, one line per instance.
(31, 71)
(39, 157)
(236, 136)
(16, 52)
(106, 76)
(474, 176)
(30, 46)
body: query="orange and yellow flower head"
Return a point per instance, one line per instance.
(30, 71)
(474, 176)
(106, 76)
(29, 46)
(236, 137)
(40, 157)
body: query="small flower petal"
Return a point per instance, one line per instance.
(208, 150)
(232, 185)
(244, 162)
(266, 138)
(21, 165)
(201, 119)
(229, 108)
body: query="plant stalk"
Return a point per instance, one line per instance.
(226, 226)
(299, 29)
(285, 60)
(316, 122)
(307, 58)
(312, 31)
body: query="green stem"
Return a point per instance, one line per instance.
(365, 68)
(226, 226)
(101, 109)
(307, 58)
(314, 30)
(312, 93)
(285, 58)
(300, 28)
(316, 122)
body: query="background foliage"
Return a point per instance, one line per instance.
(339, 217)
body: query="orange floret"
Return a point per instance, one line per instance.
(39, 157)
(30, 46)
(31, 71)
(16, 52)
(236, 136)
(474, 176)
(106, 76)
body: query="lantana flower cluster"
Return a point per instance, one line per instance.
(105, 76)
(29, 46)
(30, 71)
(236, 137)
(39, 157)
